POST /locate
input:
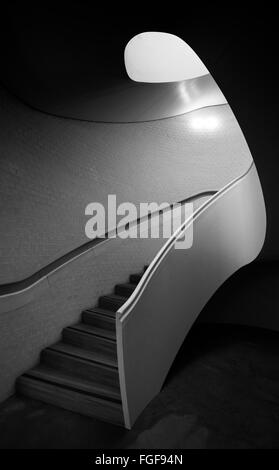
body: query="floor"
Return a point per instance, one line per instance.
(222, 391)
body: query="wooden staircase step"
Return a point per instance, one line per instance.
(94, 339)
(125, 289)
(80, 373)
(71, 395)
(78, 365)
(112, 302)
(101, 311)
(84, 354)
(72, 381)
(105, 322)
(94, 330)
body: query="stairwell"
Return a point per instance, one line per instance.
(80, 373)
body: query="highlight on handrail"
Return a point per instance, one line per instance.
(125, 308)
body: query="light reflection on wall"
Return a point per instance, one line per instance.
(205, 123)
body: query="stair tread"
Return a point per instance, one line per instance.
(68, 380)
(94, 330)
(115, 297)
(112, 301)
(98, 321)
(101, 311)
(74, 400)
(105, 318)
(84, 354)
(128, 285)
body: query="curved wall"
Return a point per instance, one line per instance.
(51, 168)
(228, 232)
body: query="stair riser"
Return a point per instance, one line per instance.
(110, 304)
(71, 400)
(90, 342)
(135, 278)
(124, 291)
(87, 370)
(100, 321)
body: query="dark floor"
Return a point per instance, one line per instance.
(222, 392)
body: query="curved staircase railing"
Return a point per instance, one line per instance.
(15, 294)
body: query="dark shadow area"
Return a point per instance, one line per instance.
(253, 290)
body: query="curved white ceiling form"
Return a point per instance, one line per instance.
(168, 79)
(155, 57)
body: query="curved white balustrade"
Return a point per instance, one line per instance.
(229, 232)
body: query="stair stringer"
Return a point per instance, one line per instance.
(229, 231)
